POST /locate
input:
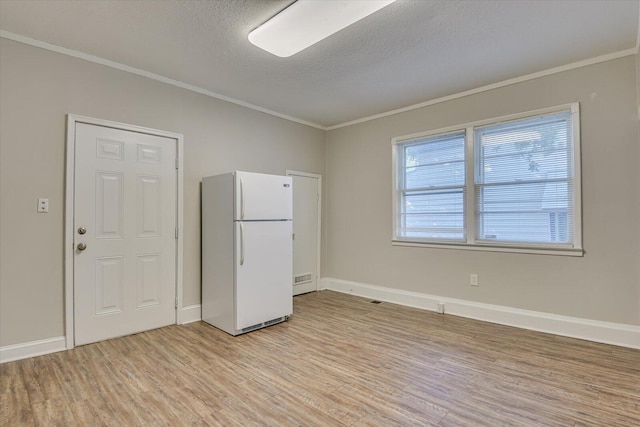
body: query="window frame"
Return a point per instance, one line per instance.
(471, 161)
(400, 180)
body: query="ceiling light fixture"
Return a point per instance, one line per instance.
(306, 22)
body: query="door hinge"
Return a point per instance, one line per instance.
(177, 162)
(176, 232)
(176, 302)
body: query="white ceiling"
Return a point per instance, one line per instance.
(410, 52)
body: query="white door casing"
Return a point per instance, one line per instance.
(125, 194)
(306, 230)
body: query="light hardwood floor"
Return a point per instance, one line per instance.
(339, 361)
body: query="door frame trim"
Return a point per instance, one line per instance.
(319, 249)
(72, 120)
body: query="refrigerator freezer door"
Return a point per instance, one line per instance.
(264, 272)
(262, 197)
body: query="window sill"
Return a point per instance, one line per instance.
(493, 248)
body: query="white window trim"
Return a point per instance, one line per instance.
(574, 249)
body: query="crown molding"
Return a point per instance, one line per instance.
(122, 67)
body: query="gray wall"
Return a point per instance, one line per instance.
(37, 89)
(603, 285)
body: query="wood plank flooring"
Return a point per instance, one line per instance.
(339, 361)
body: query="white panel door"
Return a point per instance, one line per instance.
(124, 231)
(263, 272)
(306, 228)
(261, 196)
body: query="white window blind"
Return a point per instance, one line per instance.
(524, 180)
(432, 188)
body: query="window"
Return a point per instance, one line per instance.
(508, 184)
(433, 183)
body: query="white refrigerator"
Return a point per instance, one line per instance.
(247, 251)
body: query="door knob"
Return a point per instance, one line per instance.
(82, 230)
(82, 246)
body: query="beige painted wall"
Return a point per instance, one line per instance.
(37, 89)
(603, 285)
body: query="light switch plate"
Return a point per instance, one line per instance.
(473, 280)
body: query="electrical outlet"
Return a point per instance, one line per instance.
(43, 205)
(440, 308)
(473, 280)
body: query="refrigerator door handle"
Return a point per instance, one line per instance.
(241, 244)
(241, 198)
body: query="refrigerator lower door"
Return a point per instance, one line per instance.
(264, 272)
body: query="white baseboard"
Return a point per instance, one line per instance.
(191, 313)
(592, 330)
(10, 353)
(51, 345)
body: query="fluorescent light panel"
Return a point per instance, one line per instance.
(306, 22)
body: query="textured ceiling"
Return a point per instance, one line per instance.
(410, 52)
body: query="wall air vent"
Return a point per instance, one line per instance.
(302, 278)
